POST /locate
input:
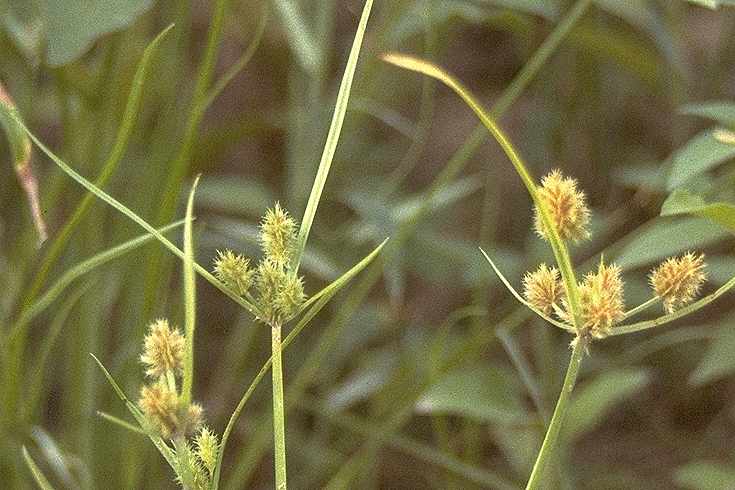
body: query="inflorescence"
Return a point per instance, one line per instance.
(676, 282)
(278, 290)
(167, 413)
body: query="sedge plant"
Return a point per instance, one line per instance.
(590, 309)
(165, 411)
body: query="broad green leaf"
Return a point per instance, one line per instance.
(705, 475)
(719, 360)
(335, 128)
(595, 399)
(722, 112)
(683, 202)
(483, 393)
(665, 237)
(701, 153)
(544, 8)
(299, 35)
(73, 25)
(38, 475)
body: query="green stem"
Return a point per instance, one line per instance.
(279, 426)
(548, 448)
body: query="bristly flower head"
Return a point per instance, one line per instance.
(163, 349)
(161, 408)
(234, 271)
(280, 292)
(566, 205)
(543, 288)
(678, 280)
(278, 235)
(601, 300)
(207, 448)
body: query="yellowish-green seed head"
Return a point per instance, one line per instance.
(160, 406)
(234, 271)
(163, 349)
(278, 235)
(566, 205)
(677, 280)
(601, 300)
(290, 296)
(543, 288)
(207, 448)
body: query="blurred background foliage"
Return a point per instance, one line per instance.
(425, 373)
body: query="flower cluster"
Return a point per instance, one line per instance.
(676, 282)
(168, 414)
(278, 290)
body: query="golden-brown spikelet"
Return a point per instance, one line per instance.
(566, 205)
(160, 406)
(601, 300)
(163, 349)
(543, 288)
(678, 279)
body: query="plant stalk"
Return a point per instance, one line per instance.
(279, 416)
(548, 448)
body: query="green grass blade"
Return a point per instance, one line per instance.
(241, 63)
(165, 451)
(108, 169)
(558, 246)
(138, 220)
(324, 296)
(299, 35)
(190, 312)
(38, 475)
(76, 272)
(335, 128)
(120, 422)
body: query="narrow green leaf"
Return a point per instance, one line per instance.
(120, 393)
(682, 201)
(85, 267)
(120, 422)
(138, 220)
(122, 138)
(189, 298)
(38, 475)
(335, 129)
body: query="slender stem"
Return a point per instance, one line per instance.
(279, 426)
(642, 307)
(548, 447)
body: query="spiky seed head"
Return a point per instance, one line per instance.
(601, 300)
(268, 279)
(160, 405)
(234, 271)
(678, 279)
(278, 235)
(543, 288)
(566, 205)
(163, 349)
(207, 448)
(290, 296)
